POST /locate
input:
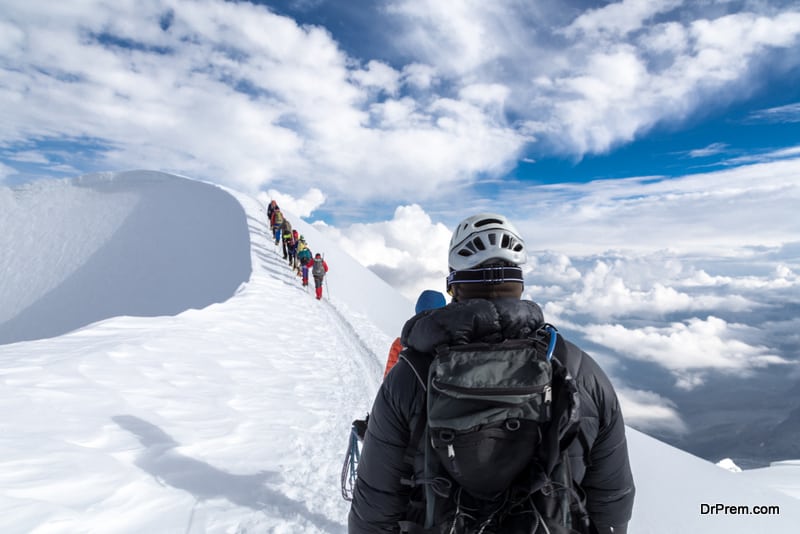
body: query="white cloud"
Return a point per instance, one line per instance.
(378, 75)
(782, 114)
(688, 349)
(419, 76)
(615, 72)
(235, 93)
(302, 207)
(409, 251)
(485, 94)
(710, 150)
(716, 213)
(750, 159)
(455, 34)
(620, 18)
(604, 292)
(397, 113)
(649, 412)
(668, 39)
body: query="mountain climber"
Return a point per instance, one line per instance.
(270, 209)
(427, 300)
(276, 220)
(291, 249)
(287, 239)
(318, 269)
(565, 470)
(303, 257)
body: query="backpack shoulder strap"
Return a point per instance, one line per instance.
(419, 363)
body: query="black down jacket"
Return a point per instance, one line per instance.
(603, 471)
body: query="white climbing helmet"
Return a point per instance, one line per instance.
(483, 237)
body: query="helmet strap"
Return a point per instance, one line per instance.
(496, 274)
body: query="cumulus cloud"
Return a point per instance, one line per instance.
(692, 314)
(620, 18)
(688, 349)
(715, 213)
(419, 76)
(587, 84)
(604, 292)
(379, 76)
(650, 412)
(302, 207)
(456, 35)
(235, 93)
(409, 251)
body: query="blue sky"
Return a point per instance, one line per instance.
(708, 137)
(384, 103)
(647, 150)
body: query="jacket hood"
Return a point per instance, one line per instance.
(472, 321)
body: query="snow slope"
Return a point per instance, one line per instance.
(103, 246)
(223, 407)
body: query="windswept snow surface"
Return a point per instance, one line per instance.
(76, 252)
(232, 418)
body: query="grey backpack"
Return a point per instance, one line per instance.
(499, 417)
(485, 405)
(318, 270)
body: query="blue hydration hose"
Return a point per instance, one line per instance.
(551, 347)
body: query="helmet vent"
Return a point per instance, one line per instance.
(482, 238)
(484, 222)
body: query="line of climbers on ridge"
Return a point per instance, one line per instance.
(296, 250)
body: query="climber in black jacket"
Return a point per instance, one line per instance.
(486, 284)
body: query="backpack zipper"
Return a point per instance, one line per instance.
(525, 390)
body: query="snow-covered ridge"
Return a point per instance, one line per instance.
(234, 417)
(136, 243)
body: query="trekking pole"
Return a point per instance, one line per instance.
(325, 281)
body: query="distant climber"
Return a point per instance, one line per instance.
(286, 234)
(270, 209)
(304, 256)
(291, 248)
(277, 224)
(318, 269)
